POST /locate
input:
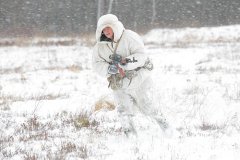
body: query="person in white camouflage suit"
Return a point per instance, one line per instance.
(120, 57)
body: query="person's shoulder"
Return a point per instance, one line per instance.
(101, 44)
(98, 46)
(131, 34)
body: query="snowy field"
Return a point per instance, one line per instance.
(53, 106)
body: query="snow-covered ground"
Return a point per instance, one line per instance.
(50, 100)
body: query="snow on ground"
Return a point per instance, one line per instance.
(49, 96)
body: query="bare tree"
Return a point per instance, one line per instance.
(153, 11)
(110, 6)
(100, 8)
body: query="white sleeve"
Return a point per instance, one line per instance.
(99, 64)
(137, 51)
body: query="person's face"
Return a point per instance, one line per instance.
(108, 32)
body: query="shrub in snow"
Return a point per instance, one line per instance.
(104, 104)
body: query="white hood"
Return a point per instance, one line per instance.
(109, 20)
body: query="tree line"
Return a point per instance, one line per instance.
(77, 17)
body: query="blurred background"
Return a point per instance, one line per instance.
(53, 18)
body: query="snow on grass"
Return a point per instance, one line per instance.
(53, 106)
(191, 36)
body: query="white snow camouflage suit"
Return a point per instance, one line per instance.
(135, 93)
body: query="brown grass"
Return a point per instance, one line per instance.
(56, 43)
(81, 121)
(86, 39)
(73, 68)
(104, 104)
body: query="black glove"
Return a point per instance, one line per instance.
(116, 58)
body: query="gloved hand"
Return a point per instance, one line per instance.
(112, 69)
(116, 58)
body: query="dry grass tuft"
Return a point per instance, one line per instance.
(205, 126)
(68, 147)
(104, 104)
(74, 68)
(81, 121)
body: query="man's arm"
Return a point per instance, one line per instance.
(137, 51)
(100, 65)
